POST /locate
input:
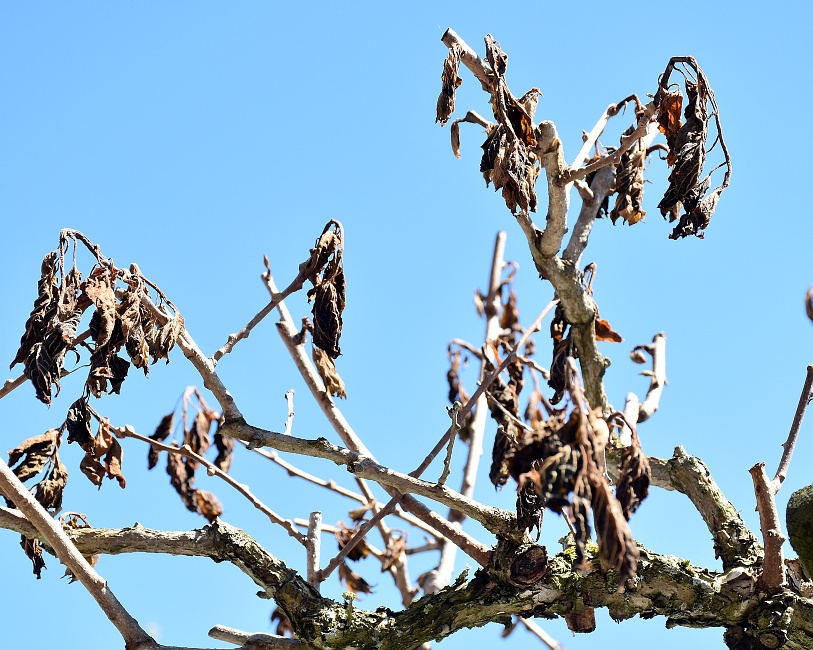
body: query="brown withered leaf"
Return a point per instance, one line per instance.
(809, 303)
(208, 505)
(604, 332)
(34, 453)
(633, 482)
(45, 307)
(344, 535)
(451, 81)
(197, 437)
(33, 550)
(78, 424)
(45, 360)
(455, 135)
(533, 414)
(165, 337)
(497, 59)
(162, 432)
(327, 371)
(99, 287)
(225, 449)
(669, 109)
(509, 318)
(105, 457)
(353, 581)
(181, 477)
(458, 393)
(530, 509)
(395, 549)
(629, 183)
(49, 491)
(284, 627)
(129, 309)
(617, 549)
(327, 319)
(327, 245)
(582, 620)
(562, 349)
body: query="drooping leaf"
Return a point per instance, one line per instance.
(669, 110)
(78, 425)
(633, 481)
(45, 307)
(164, 338)
(162, 432)
(99, 287)
(181, 477)
(197, 437)
(353, 581)
(327, 371)
(327, 319)
(395, 549)
(33, 550)
(604, 332)
(629, 183)
(451, 81)
(344, 535)
(617, 549)
(104, 457)
(34, 452)
(225, 449)
(208, 505)
(284, 627)
(49, 490)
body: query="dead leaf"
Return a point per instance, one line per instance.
(809, 303)
(451, 82)
(49, 491)
(35, 453)
(33, 550)
(284, 627)
(162, 432)
(669, 110)
(455, 133)
(45, 307)
(634, 476)
(395, 549)
(353, 581)
(225, 449)
(604, 332)
(327, 371)
(78, 425)
(208, 505)
(344, 535)
(197, 437)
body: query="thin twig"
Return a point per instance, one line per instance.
(804, 400)
(254, 641)
(276, 298)
(657, 377)
(128, 432)
(540, 634)
(289, 422)
(453, 411)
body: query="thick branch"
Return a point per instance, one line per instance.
(773, 567)
(601, 187)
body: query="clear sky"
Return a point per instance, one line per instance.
(195, 137)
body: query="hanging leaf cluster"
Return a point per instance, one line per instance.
(508, 161)
(51, 328)
(629, 182)
(688, 190)
(556, 465)
(181, 470)
(458, 393)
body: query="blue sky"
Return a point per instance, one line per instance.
(193, 138)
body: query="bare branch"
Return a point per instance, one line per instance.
(255, 641)
(657, 349)
(540, 634)
(804, 400)
(313, 541)
(289, 422)
(773, 567)
(601, 187)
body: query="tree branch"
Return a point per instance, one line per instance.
(134, 636)
(804, 400)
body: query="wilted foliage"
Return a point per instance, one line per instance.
(451, 81)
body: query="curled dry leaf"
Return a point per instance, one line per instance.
(181, 477)
(504, 407)
(455, 134)
(225, 449)
(344, 535)
(208, 505)
(581, 621)
(45, 307)
(99, 288)
(451, 81)
(809, 303)
(668, 116)
(629, 183)
(637, 355)
(284, 627)
(604, 332)
(49, 491)
(327, 371)
(78, 424)
(34, 452)
(395, 549)
(353, 581)
(33, 550)
(509, 318)
(197, 436)
(104, 457)
(327, 319)
(633, 482)
(617, 549)
(162, 432)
